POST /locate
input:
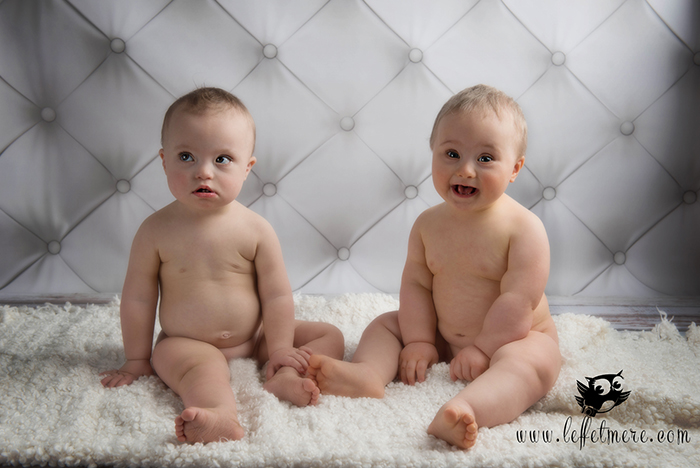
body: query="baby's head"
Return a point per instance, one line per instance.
(482, 99)
(203, 100)
(208, 139)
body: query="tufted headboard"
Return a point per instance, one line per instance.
(344, 93)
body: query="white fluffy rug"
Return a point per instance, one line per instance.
(53, 410)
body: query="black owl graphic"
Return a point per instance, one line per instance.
(602, 393)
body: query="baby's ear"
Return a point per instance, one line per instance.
(250, 165)
(516, 169)
(162, 156)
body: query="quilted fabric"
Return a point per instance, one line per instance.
(344, 93)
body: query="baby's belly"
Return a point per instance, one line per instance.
(461, 309)
(461, 312)
(225, 317)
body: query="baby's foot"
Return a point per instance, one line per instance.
(455, 424)
(207, 425)
(342, 378)
(289, 386)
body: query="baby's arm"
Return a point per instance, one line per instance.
(522, 288)
(138, 311)
(277, 305)
(417, 318)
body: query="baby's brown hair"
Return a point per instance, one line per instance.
(484, 98)
(204, 99)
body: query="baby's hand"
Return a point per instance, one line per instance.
(297, 358)
(469, 364)
(414, 361)
(132, 370)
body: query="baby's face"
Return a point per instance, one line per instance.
(207, 156)
(475, 157)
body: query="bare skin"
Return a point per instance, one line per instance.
(218, 271)
(472, 292)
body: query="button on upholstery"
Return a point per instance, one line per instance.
(117, 45)
(558, 58)
(415, 55)
(54, 247)
(690, 197)
(347, 123)
(620, 258)
(123, 186)
(270, 51)
(48, 114)
(627, 128)
(269, 189)
(411, 191)
(343, 253)
(549, 193)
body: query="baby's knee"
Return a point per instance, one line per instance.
(537, 364)
(334, 335)
(388, 320)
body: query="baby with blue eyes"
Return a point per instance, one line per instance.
(214, 270)
(472, 291)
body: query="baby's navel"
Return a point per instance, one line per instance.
(226, 335)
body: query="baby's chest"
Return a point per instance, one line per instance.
(208, 254)
(465, 254)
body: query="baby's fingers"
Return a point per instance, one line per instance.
(305, 353)
(408, 373)
(456, 371)
(116, 379)
(421, 369)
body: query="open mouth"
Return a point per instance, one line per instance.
(464, 190)
(203, 190)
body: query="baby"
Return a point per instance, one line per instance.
(472, 291)
(224, 291)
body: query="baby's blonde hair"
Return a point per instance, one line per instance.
(204, 99)
(484, 98)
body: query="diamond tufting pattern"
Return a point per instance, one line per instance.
(344, 93)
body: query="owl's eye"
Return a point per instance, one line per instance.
(601, 386)
(617, 382)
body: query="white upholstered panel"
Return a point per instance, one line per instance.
(344, 93)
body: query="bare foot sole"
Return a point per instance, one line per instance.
(455, 424)
(342, 378)
(207, 425)
(289, 386)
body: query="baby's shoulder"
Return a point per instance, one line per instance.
(522, 222)
(432, 215)
(164, 218)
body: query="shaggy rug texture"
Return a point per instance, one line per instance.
(53, 410)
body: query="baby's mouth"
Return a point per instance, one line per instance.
(464, 190)
(203, 190)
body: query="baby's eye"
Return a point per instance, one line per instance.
(452, 154)
(186, 157)
(485, 158)
(223, 160)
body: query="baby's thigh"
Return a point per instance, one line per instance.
(174, 356)
(537, 356)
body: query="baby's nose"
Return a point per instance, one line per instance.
(204, 171)
(466, 170)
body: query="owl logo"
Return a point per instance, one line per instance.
(602, 393)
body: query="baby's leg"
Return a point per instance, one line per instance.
(199, 373)
(520, 373)
(315, 337)
(373, 366)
